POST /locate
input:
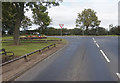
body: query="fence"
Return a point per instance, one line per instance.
(31, 41)
(25, 56)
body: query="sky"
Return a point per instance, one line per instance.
(66, 13)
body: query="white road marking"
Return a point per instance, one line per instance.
(95, 41)
(105, 56)
(97, 45)
(101, 51)
(118, 75)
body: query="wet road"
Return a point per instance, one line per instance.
(83, 59)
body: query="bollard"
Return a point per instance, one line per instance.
(60, 39)
(25, 57)
(40, 51)
(45, 41)
(54, 45)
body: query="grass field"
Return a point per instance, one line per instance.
(7, 37)
(25, 48)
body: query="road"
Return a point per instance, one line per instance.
(83, 59)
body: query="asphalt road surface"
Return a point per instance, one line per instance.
(83, 59)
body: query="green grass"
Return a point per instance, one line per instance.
(25, 48)
(10, 37)
(7, 37)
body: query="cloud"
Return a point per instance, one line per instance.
(107, 11)
(66, 13)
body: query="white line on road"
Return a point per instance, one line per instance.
(118, 75)
(101, 51)
(97, 45)
(105, 56)
(94, 39)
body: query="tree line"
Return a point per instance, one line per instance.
(76, 31)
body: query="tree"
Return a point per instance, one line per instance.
(115, 30)
(12, 16)
(101, 31)
(25, 23)
(41, 17)
(77, 31)
(16, 10)
(88, 19)
(8, 17)
(93, 31)
(110, 26)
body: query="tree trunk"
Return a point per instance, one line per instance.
(16, 31)
(19, 16)
(86, 30)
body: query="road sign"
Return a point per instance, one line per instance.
(61, 25)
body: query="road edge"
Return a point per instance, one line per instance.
(47, 57)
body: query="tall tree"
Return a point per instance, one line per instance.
(8, 17)
(25, 23)
(13, 13)
(19, 18)
(41, 17)
(18, 15)
(87, 19)
(115, 30)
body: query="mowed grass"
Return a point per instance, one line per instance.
(25, 48)
(7, 37)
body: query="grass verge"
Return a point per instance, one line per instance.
(25, 48)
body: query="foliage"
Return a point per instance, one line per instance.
(8, 17)
(78, 31)
(115, 30)
(41, 17)
(87, 19)
(25, 23)
(24, 48)
(13, 15)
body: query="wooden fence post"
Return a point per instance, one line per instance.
(25, 57)
(54, 45)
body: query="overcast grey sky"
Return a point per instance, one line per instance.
(66, 13)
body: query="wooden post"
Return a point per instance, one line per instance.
(54, 45)
(25, 57)
(60, 39)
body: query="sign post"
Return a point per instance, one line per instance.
(61, 25)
